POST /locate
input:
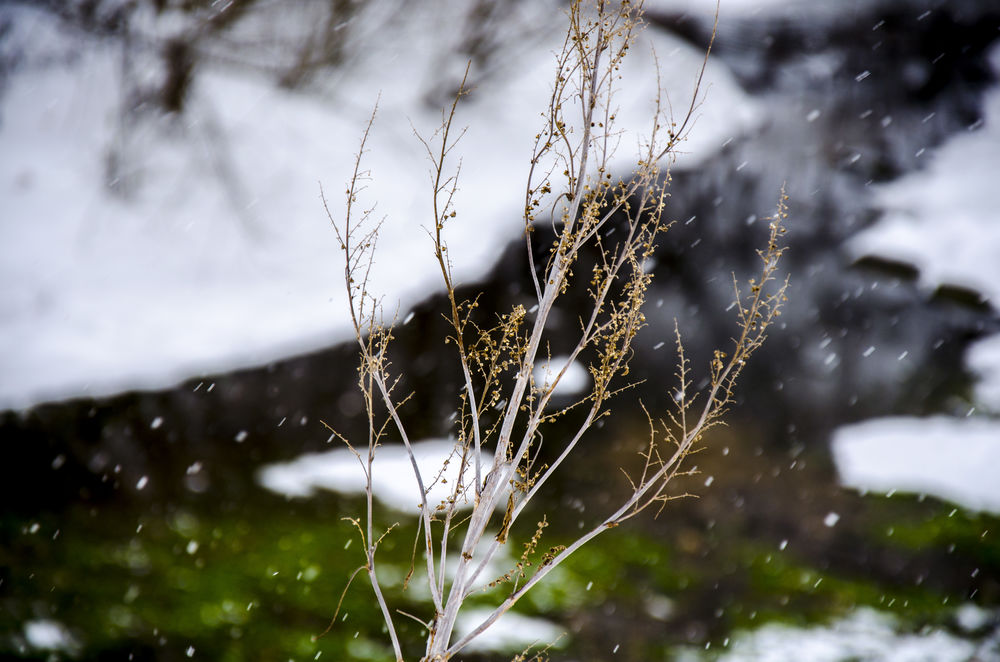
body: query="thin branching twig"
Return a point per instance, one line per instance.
(502, 409)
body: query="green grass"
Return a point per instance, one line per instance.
(263, 581)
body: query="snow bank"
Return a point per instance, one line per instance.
(983, 359)
(220, 256)
(393, 481)
(512, 633)
(864, 635)
(51, 636)
(955, 459)
(944, 219)
(735, 8)
(573, 382)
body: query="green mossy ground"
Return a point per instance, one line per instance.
(262, 582)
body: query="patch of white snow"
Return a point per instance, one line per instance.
(49, 635)
(221, 255)
(983, 359)
(943, 218)
(866, 634)
(393, 480)
(574, 380)
(511, 633)
(951, 458)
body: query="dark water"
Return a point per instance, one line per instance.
(135, 520)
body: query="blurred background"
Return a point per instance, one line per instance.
(173, 326)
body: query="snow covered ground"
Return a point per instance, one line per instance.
(394, 485)
(865, 634)
(340, 470)
(219, 255)
(512, 633)
(951, 458)
(945, 221)
(983, 359)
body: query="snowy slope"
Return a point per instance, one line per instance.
(220, 255)
(945, 221)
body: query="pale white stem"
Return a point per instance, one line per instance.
(425, 510)
(386, 614)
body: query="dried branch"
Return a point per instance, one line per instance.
(618, 221)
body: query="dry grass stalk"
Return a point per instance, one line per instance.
(569, 184)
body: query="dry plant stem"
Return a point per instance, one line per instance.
(444, 188)
(443, 210)
(589, 333)
(580, 226)
(372, 340)
(760, 311)
(643, 185)
(597, 41)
